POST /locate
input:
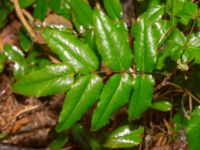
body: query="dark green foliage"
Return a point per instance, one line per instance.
(101, 66)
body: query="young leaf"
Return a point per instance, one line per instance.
(113, 9)
(112, 43)
(162, 106)
(193, 129)
(115, 94)
(145, 45)
(47, 81)
(82, 12)
(71, 50)
(123, 137)
(83, 137)
(142, 96)
(79, 99)
(14, 54)
(40, 9)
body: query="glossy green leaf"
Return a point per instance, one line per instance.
(84, 138)
(47, 81)
(90, 39)
(59, 142)
(82, 12)
(163, 30)
(162, 106)
(16, 55)
(145, 45)
(123, 137)
(26, 3)
(112, 43)
(142, 96)
(193, 129)
(61, 7)
(71, 50)
(154, 13)
(79, 99)
(40, 9)
(115, 94)
(113, 9)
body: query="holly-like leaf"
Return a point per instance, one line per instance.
(193, 129)
(71, 50)
(82, 12)
(112, 43)
(142, 96)
(16, 55)
(113, 9)
(79, 99)
(115, 94)
(123, 137)
(145, 45)
(47, 81)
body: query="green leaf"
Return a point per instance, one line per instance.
(113, 9)
(154, 13)
(193, 129)
(145, 45)
(115, 94)
(112, 43)
(79, 99)
(179, 121)
(83, 137)
(25, 42)
(189, 11)
(71, 50)
(40, 9)
(123, 137)
(3, 58)
(162, 106)
(14, 54)
(26, 3)
(142, 96)
(175, 46)
(163, 30)
(61, 7)
(47, 81)
(59, 142)
(82, 12)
